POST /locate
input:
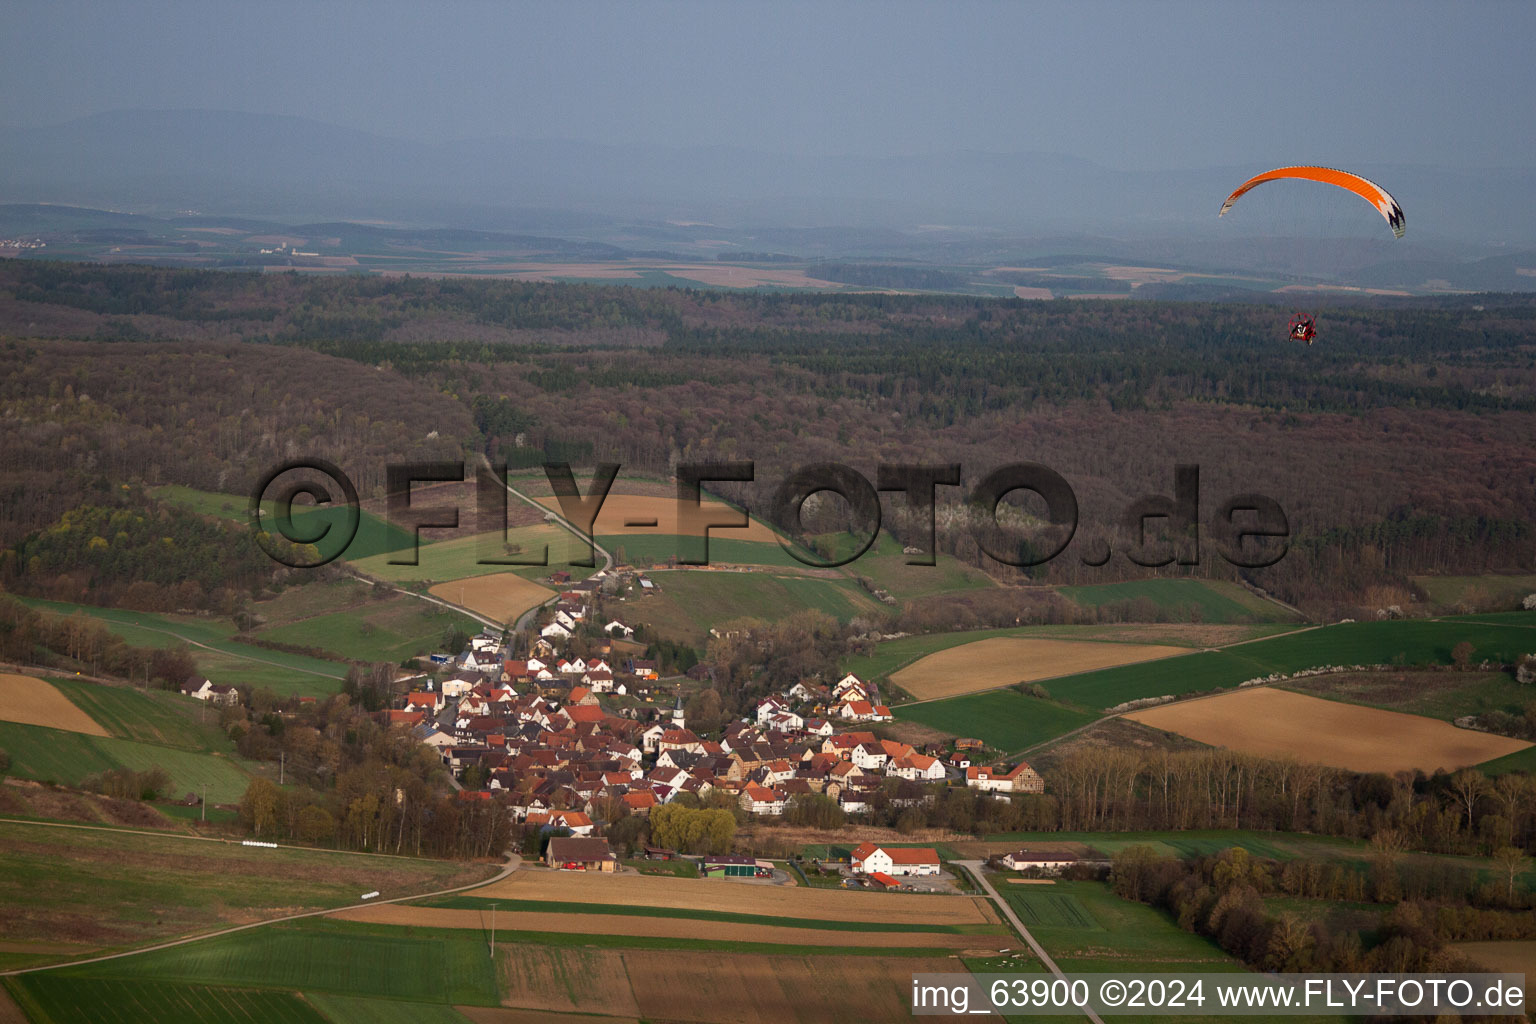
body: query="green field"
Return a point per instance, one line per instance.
(887, 567)
(1086, 927)
(68, 757)
(374, 535)
(324, 956)
(390, 630)
(150, 716)
(892, 655)
(1002, 719)
(110, 888)
(690, 603)
(1478, 591)
(1406, 642)
(460, 557)
(358, 1010)
(221, 659)
(49, 998)
(638, 548)
(1196, 600)
(1443, 695)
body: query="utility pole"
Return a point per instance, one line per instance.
(493, 931)
(282, 764)
(205, 803)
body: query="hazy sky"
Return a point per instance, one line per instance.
(1134, 85)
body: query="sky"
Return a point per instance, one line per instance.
(1137, 86)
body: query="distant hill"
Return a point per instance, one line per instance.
(222, 163)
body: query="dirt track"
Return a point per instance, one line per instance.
(33, 701)
(662, 927)
(1278, 723)
(734, 897)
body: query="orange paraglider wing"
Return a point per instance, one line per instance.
(1363, 187)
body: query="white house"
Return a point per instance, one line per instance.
(762, 800)
(1021, 778)
(1054, 860)
(785, 721)
(627, 632)
(918, 768)
(868, 858)
(555, 629)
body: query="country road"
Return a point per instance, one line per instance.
(974, 867)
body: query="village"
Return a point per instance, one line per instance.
(573, 743)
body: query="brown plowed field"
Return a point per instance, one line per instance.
(33, 701)
(1005, 660)
(621, 509)
(502, 596)
(713, 988)
(733, 897)
(1278, 723)
(661, 927)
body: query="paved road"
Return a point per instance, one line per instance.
(974, 867)
(513, 861)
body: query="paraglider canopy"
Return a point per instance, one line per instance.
(1363, 187)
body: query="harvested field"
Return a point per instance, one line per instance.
(709, 988)
(502, 596)
(1026, 292)
(1278, 723)
(619, 510)
(1005, 660)
(563, 979)
(511, 1015)
(730, 897)
(659, 927)
(32, 701)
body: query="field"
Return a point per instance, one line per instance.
(464, 556)
(712, 988)
(1003, 720)
(1477, 592)
(1086, 927)
(167, 885)
(68, 757)
(149, 716)
(388, 629)
(717, 894)
(1003, 661)
(49, 997)
(1443, 695)
(691, 602)
(221, 659)
(32, 701)
(1403, 642)
(892, 655)
(660, 549)
(650, 926)
(502, 596)
(885, 564)
(1278, 723)
(325, 957)
(658, 516)
(374, 535)
(1213, 601)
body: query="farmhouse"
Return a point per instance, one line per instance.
(1054, 860)
(577, 854)
(1021, 778)
(867, 859)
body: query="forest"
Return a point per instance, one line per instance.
(1399, 444)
